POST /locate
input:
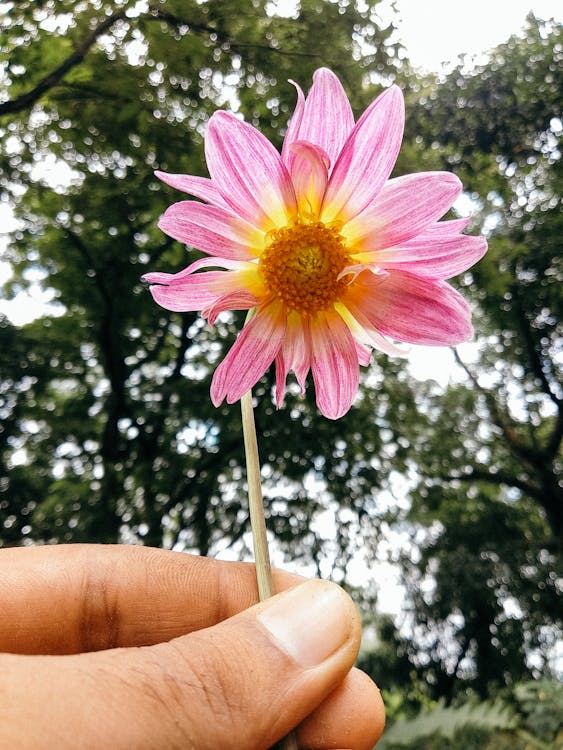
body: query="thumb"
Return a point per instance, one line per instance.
(248, 681)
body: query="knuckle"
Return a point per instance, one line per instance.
(98, 615)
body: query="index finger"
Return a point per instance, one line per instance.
(67, 599)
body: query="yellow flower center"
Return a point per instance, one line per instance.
(301, 266)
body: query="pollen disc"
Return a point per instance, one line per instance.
(301, 266)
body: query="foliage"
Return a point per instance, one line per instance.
(529, 718)
(107, 432)
(447, 723)
(509, 111)
(483, 571)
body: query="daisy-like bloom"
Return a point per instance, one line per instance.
(334, 258)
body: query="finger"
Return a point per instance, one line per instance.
(353, 716)
(68, 599)
(241, 684)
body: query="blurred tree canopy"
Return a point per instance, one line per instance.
(486, 577)
(109, 401)
(107, 431)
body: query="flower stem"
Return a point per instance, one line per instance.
(257, 521)
(255, 500)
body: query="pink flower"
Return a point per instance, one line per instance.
(335, 258)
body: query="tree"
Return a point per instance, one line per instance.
(484, 583)
(107, 407)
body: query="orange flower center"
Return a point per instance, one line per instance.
(301, 266)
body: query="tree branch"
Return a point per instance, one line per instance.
(157, 14)
(30, 97)
(529, 453)
(535, 360)
(534, 355)
(497, 477)
(87, 257)
(26, 100)
(556, 436)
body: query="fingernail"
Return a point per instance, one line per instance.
(311, 621)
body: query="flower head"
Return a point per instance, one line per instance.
(334, 258)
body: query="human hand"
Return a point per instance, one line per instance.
(132, 648)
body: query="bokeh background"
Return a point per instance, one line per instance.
(437, 500)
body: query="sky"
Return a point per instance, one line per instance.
(434, 31)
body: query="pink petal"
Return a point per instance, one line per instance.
(363, 331)
(309, 173)
(192, 293)
(250, 356)
(249, 172)
(412, 309)
(240, 299)
(293, 127)
(327, 117)
(355, 269)
(430, 255)
(364, 354)
(215, 262)
(155, 277)
(294, 354)
(335, 364)
(187, 290)
(450, 227)
(404, 208)
(215, 230)
(367, 158)
(199, 187)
